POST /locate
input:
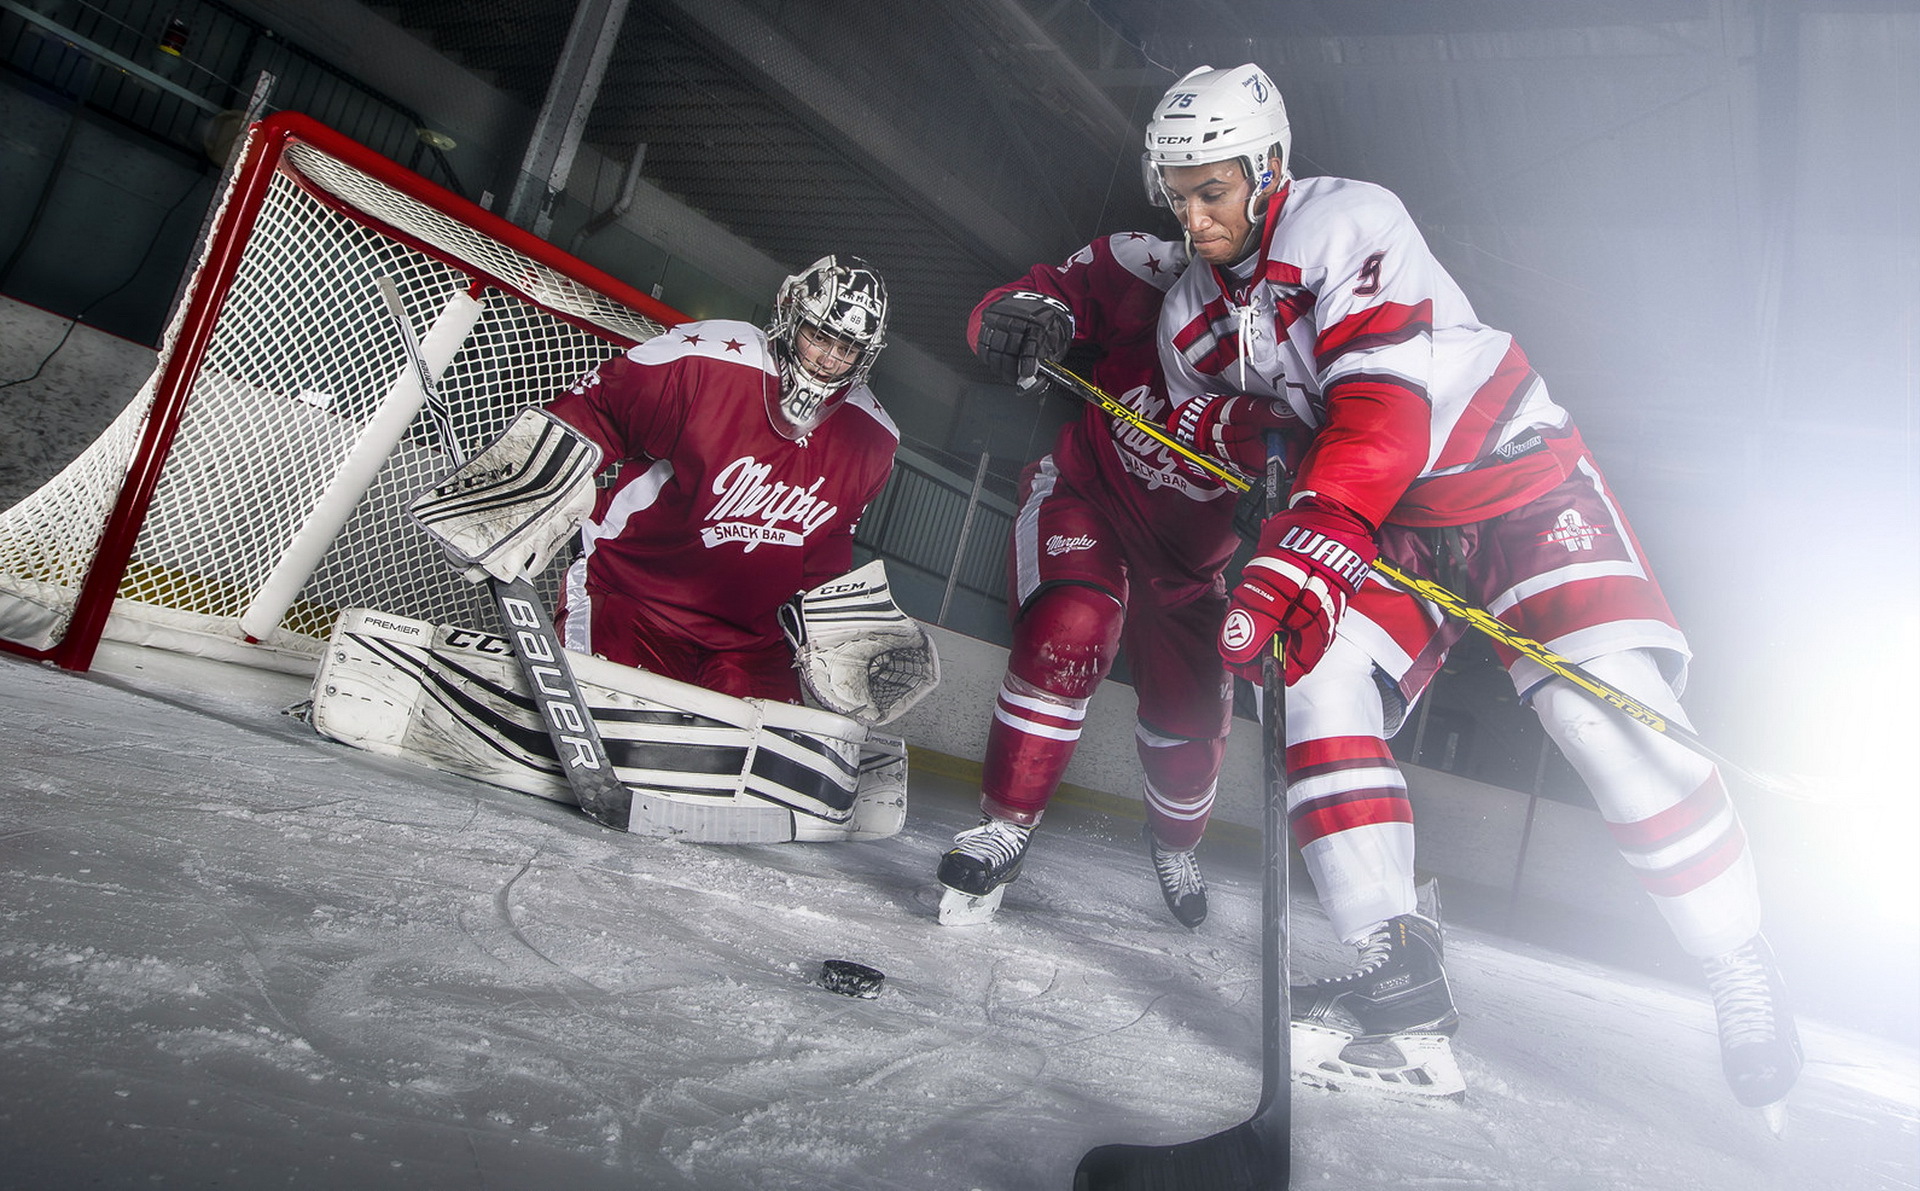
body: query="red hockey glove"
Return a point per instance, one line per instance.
(1232, 429)
(1311, 560)
(1018, 330)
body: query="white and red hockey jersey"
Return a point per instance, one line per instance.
(1419, 414)
(1172, 512)
(715, 519)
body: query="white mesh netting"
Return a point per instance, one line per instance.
(303, 352)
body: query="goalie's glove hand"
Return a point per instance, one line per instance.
(857, 653)
(1311, 560)
(1020, 329)
(511, 508)
(1233, 429)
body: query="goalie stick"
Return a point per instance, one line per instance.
(1256, 1154)
(1448, 602)
(529, 629)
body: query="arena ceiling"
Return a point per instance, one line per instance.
(1559, 156)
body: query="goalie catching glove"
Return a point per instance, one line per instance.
(857, 653)
(513, 506)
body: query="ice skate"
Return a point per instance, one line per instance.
(1759, 1046)
(1386, 1025)
(976, 870)
(1180, 881)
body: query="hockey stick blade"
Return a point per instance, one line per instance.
(1251, 1155)
(1255, 1155)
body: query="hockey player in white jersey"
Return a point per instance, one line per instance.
(1314, 307)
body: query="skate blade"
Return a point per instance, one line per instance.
(964, 909)
(1408, 1066)
(1775, 1115)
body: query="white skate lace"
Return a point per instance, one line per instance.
(995, 843)
(1742, 997)
(1178, 871)
(1375, 951)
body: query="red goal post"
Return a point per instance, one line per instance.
(257, 483)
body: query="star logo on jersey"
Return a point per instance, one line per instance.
(1573, 531)
(735, 346)
(693, 339)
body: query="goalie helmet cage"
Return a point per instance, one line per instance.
(257, 484)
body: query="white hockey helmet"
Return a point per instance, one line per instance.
(847, 302)
(1222, 115)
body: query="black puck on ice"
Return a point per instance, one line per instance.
(850, 979)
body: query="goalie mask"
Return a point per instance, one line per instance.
(829, 322)
(1222, 115)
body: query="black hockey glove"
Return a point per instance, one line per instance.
(1020, 329)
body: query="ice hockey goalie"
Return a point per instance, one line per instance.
(703, 767)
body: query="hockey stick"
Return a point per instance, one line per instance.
(1256, 1154)
(1449, 603)
(556, 693)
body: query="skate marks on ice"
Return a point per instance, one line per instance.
(236, 953)
(256, 957)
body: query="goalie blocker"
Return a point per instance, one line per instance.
(704, 767)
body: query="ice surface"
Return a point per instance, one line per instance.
(237, 955)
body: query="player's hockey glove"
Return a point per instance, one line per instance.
(1233, 429)
(1311, 560)
(1018, 330)
(515, 505)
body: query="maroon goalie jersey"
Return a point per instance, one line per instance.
(715, 519)
(1179, 519)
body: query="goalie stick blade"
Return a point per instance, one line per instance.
(1251, 1156)
(666, 818)
(964, 909)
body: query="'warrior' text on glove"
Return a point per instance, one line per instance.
(1311, 560)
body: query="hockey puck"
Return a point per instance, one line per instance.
(850, 979)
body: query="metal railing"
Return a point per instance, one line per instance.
(944, 537)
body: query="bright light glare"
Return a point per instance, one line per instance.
(1859, 748)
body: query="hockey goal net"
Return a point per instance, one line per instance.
(257, 483)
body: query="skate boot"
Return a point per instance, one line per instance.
(1180, 881)
(1759, 1046)
(1384, 1026)
(976, 870)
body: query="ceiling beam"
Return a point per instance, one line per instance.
(823, 100)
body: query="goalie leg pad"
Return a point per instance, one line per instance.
(703, 766)
(858, 654)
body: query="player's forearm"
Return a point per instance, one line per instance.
(1374, 445)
